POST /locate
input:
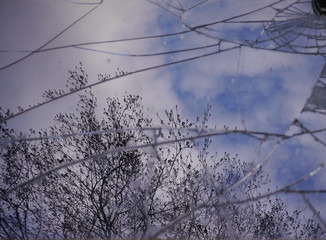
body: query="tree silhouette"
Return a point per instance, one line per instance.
(133, 193)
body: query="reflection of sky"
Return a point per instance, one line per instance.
(265, 89)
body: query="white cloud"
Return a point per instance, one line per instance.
(49, 70)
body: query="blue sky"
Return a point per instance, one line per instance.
(266, 89)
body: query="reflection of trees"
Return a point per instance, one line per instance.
(121, 178)
(292, 28)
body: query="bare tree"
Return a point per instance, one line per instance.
(133, 193)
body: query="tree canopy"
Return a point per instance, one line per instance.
(111, 178)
